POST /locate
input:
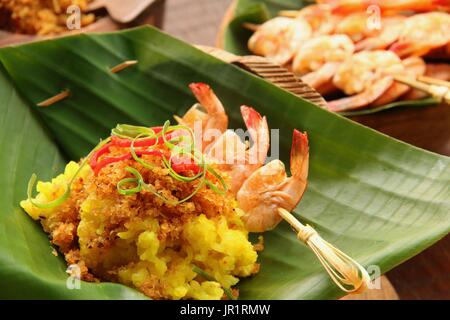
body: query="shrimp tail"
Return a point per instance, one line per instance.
(207, 98)
(300, 155)
(253, 120)
(259, 131)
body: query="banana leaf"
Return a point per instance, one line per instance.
(379, 200)
(258, 11)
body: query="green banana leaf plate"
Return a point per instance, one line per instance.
(235, 38)
(378, 199)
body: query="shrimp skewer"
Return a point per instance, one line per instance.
(269, 188)
(321, 79)
(269, 194)
(384, 90)
(440, 71)
(348, 6)
(207, 126)
(414, 67)
(319, 16)
(364, 98)
(391, 28)
(422, 33)
(319, 58)
(232, 156)
(355, 27)
(365, 77)
(278, 39)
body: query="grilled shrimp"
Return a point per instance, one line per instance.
(320, 18)
(278, 39)
(438, 71)
(422, 33)
(414, 67)
(269, 188)
(388, 6)
(320, 57)
(391, 28)
(364, 98)
(231, 154)
(355, 26)
(365, 76)
(212, 123)
(363, 69)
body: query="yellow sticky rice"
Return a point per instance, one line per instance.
(130, 240)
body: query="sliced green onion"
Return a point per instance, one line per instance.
(221, 181)
(133, 151)
(141, 185)
(52, 204)
(167, 128)
(131, 191)
(59, 201)
(129, 131)
(178, 176)
(209, 277)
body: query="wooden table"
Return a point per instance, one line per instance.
(426, 276)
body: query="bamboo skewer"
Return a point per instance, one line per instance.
(54, 99)
(434, 81)
(251, 26)
(345, 272)
(288, 13)
(123, 66)
(438, 89)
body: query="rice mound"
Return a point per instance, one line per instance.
(142, 241)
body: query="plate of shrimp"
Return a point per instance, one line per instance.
(356, 55)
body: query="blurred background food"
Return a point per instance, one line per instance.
(354, 56)
(24, 21)
(40, 17)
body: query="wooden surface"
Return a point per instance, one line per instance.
(195, 21)
(426, 276)
(122, 11)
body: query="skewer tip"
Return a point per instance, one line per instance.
(123, 66)
(56, 98)
(251, 26)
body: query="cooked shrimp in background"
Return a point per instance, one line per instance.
(280, 38)
(320, 56)
(359, 54)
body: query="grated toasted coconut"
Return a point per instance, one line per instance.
(259, 246)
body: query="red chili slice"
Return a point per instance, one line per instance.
(148, 142)
(98, 154)
(97, 166)
(184, 167)
(126, 143)
(109, 160)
